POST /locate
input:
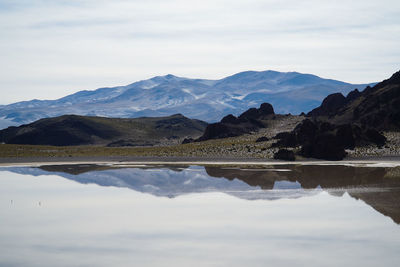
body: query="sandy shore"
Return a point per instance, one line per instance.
(134, 161)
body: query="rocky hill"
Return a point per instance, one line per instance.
(70, 130)
(249, 121)
(376, 107)
(341, 122)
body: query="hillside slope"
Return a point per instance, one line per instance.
(83, 130)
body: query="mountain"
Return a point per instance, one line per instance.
(84, 130)
(209, 100)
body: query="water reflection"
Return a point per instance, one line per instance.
(377, 187)
(119, 216)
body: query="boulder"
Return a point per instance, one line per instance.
(287, 139)
(284, 154)
(325, 146)
(330, 105)
(375, 137)
(262, 139)
(217, 130)
(187, 140)
(305, 131)
(346, 136)
(281, 135)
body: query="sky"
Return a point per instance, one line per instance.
(52, 48)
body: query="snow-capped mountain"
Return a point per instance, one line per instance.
(209, 100)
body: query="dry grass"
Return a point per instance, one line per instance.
(235, 147)
(219, 148)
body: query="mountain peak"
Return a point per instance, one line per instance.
(395, 79)
(165, 78)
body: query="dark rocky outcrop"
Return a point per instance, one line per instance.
(375, 137)
(347, 122)
(348, 134)
(254, 113)
(286, 139)
(223, 130)
(330, 105)
(284, 154)
(187, 140)
(333, 103)
(230, 126)
(262, 139)
(230, 119)
(281, 135)
(353, 95)
(323, 140)
(376, 107)
(324, 146)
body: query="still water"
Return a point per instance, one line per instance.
(92, 215)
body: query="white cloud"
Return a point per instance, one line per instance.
(51, 48)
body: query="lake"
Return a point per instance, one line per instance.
(117, 215)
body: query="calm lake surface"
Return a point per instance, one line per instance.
(92, 215)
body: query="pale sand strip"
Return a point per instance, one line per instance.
(135, 163)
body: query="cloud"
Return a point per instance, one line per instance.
(52, 48)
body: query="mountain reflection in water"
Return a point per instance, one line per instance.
(377, 187)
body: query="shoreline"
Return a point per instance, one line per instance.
(388, 161)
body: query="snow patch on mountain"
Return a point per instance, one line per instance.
(196, 97)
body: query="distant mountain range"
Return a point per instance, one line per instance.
(209, 100)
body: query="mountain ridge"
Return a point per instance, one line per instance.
(204, 99)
